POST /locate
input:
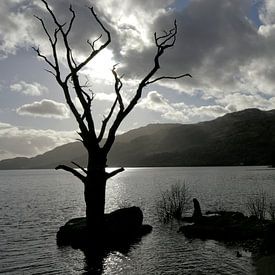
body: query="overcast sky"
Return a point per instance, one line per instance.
(228, 46)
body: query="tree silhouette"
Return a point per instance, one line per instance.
(98, 145)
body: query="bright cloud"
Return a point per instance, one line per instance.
(106, 97)
(156, 102)
(100, 69)
(237, 102)
(15, 141)
(33, 89)
(15, 26)
(267, 12)
(132, 21)
(45, 108)
(180, 112)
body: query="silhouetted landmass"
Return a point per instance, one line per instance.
(252, 233)
(241, 138)
(63, 154)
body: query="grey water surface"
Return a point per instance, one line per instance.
(35, 203)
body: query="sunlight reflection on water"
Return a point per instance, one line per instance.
(35, 203)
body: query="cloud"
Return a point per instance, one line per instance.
(15, 26)
(236, 102)
(33, 89)
(179, 111)
(183, 113)
(15, 141)
(267, 12)
(45, 108)
(218, 43)
(156, 102)
(131, 22)
(4, 126)
(104, 96)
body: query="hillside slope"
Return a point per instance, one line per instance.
(241, 138)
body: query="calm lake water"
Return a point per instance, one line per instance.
(35, 203)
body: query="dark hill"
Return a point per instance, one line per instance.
(241, 138)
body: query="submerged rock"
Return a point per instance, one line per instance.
(122, 227)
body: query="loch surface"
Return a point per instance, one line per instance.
(35, 203)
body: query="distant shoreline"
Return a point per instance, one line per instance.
(269, 167)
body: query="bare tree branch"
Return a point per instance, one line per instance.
(82, 126)
(118, 86)
(72, 20)
(86, 104)
(167, 77)
(56, 66)
(95, 52)
(50, 72)
(64, 34)
(44, 28)
(37, 50)
(53, 45)
(92, 44)
(80, 167)
(162, 43)
(71, 170)
(115, 172)
(72, 58)
(106, 120)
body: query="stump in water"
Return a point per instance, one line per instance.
(197, 210)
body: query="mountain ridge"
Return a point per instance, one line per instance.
(246, 137)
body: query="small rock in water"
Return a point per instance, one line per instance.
(238, 254)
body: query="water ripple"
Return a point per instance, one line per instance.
(35, 203)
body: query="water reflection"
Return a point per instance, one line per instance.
(34, 204)
(93, 261)
(108, 261)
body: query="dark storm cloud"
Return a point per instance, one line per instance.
(217, 41)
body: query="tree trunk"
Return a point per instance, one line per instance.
(95, 201)
(94, 193)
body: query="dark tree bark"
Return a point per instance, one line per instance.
(95, 176)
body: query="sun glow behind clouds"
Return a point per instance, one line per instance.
(100, 68)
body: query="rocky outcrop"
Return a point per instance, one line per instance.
(230, 226)
(223, 225)
(122, 227)
(197, 210)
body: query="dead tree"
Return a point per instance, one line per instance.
(98, 145)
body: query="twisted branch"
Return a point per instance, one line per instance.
(162, 43)
(72, 171)
(115, 172)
